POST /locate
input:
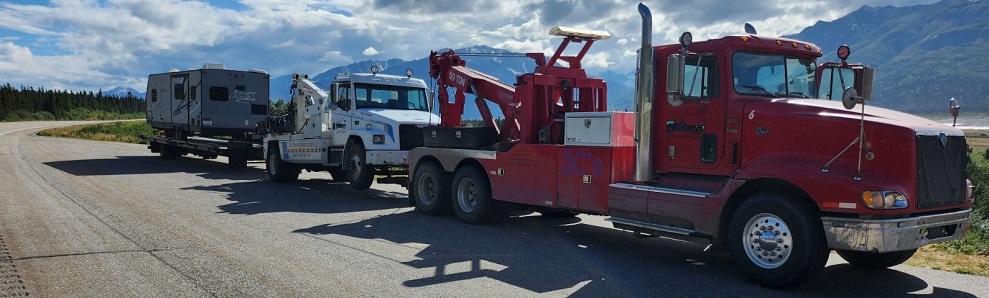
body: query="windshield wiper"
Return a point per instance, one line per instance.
(797, 94)
(760, 89)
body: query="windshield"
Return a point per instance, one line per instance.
(390, 97)
(773, 75)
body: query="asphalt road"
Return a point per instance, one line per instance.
(84, 219)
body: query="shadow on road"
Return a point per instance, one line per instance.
(306, 196)
(136, 165)
(251, 192)
(546, 255)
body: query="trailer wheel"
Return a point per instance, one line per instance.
(876, 260)
(280, 171)
(430, 189)
(472, 197)
(359, 173)
(776, 241)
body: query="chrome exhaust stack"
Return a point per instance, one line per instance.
(643, 100)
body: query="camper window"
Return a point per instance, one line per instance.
(179, 91)
(154, 95)
(219, 93)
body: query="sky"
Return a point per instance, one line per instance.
(91, 45)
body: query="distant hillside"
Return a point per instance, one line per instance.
(502, 64)
(924, 55)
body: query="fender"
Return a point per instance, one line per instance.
(833, 191)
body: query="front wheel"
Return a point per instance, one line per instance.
(431, 189)
(359, 173)
(776, 241)
(876, 260)
(280, 171)
(472, 200)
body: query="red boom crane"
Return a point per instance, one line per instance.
(534, 107)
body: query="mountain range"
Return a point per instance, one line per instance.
(924, 55)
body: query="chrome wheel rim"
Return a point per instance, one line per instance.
(467, 195)
(767, 241)
(426, 187)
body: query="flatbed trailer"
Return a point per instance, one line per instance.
(237, 151)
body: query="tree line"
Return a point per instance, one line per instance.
(29, 103)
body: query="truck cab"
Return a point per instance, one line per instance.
(363, 125)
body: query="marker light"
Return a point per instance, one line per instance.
(794, 45)
(686, 39)
(779, 42)
(745, 38)
(807, 47)
(843, 52)
(884, 199)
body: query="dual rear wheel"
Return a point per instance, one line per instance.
(467, 192)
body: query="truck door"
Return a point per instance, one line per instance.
(180, 101)
(343, 114)
(691, 135)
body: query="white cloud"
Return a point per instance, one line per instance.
(121, 41)
(370, 51)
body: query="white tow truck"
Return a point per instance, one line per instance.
(363, 126)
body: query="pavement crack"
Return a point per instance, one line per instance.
(91, 253)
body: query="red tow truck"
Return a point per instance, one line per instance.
(744, 143)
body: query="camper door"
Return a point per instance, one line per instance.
(180, 100)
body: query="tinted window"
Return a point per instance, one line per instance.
(219, 93)
(700, 76)
(179, 91)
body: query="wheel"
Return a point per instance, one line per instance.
(337, 173)
(876, 260)
(280, 171)
(359, 173)
(430, 189)
(472, 200)
(776, 241)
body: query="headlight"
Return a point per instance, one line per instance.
(884, 199)
(378, 139)
(969, 189)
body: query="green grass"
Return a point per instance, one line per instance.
(124, 132)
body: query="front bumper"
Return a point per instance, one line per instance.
(389, 158)
(900, 234)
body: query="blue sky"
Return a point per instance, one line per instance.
(90, 45)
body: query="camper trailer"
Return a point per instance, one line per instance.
(211, 102)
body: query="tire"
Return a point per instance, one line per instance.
(776, 241)
(430, 189)
(472, 201)
(876, 260)
(337, 173)
(278, 170)
(359, 173)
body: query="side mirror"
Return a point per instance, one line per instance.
(432, 100)
(674, 79)
(868, 80)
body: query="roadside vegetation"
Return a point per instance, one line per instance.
(124, 132)
(28, 103)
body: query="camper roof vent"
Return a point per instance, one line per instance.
(212, 66)
(258, 71)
